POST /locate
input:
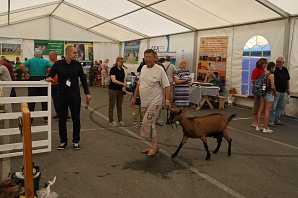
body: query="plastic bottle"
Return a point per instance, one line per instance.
(288, 99)
(264, 89)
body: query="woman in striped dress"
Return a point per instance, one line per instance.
(182, 81)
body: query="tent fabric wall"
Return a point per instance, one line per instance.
(104, 51)
(50, 29)
(28, 48)
(215, 33)
(238, 37)
(292, 108)
(272, 31)
(293, 57)
(35, 29)
(66, 32)
(182, 44)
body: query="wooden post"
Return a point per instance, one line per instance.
(27, 151)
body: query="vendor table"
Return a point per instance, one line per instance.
(200, 94)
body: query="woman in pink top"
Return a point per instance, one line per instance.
(256, 73)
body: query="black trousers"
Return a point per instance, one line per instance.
(37, 91)
(55, 98)
(74, 104)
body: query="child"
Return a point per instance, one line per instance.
(137, 109)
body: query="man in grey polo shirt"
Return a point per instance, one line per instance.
(170, 70)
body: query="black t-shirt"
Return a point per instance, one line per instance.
(281, 78)
(120, 75)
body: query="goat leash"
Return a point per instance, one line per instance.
(169, 123)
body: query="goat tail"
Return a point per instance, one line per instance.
(231, 117)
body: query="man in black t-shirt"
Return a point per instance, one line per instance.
(117, 88)
(282, 85)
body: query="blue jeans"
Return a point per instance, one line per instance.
(277, 108)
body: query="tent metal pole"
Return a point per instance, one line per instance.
(293, 24)
(50, 27)
(195, 55)
(8, 10)
(287, 40)
(148, 43)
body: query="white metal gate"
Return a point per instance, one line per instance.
(8, 149)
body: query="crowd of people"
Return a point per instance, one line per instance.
(273, 102)
(159, 85)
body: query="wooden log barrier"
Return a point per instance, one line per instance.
(27, 151)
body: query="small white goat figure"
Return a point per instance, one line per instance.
(213, 125)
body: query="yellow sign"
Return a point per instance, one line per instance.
(212, 56)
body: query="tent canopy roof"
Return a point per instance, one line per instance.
(124, 20)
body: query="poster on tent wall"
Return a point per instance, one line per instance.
(11, 48)
(85, 50)
(212, 56)
(46, 46)
(131, 51)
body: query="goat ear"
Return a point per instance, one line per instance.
(180, 111)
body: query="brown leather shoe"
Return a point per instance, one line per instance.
(281, 123)
(272, 125)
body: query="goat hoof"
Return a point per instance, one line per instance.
(207, 158)
(215, 151)
(173, 156)
(229, 154)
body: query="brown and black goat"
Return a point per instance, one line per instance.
(213, 125)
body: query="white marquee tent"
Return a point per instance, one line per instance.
(109, 23)
(122, 20)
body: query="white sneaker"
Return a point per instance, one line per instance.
(122, 124)
(135, 125)
(259, 129)
(113, 124)
(267, 131)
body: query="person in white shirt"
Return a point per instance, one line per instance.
(152, 81)
(5, 91)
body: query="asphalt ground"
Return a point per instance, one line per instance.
(110, 162)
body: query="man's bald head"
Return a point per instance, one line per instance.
(71, 53)
(69, 48)
(53, 56)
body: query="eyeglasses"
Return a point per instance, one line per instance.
(279, 62)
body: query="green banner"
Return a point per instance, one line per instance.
(46, 46)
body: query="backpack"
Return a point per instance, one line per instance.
(259, 87)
